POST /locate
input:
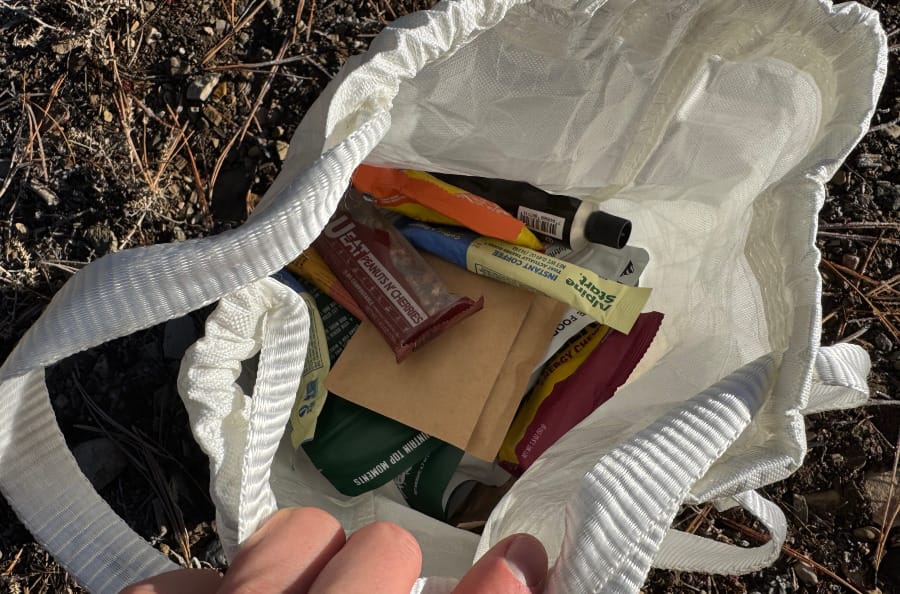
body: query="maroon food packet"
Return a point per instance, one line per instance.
(396, 288)
(578, 394)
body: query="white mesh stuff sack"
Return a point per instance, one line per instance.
(712, 125)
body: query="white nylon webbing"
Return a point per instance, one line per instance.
(840, 378)
(118, 295)
(688, 552)
(616, 521)
(241, 434)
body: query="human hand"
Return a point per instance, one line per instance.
(304, 551)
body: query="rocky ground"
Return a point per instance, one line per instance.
(200, 100)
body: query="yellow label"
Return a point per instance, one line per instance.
(560, 367)
(422, 213)
(608, 302)
(312, 392)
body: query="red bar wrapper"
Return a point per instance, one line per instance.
(395, 287)
(563, 398)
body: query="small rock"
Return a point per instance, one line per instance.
(883, 342)
(44, 193)
(221, 90)
(212, 114)
(220, 25)
(877, 486)
(149, 6)
(178, 234)
(21, 228)
(870, 533)
(201, 88)
(207, 30)
(825, 500)
(840, 178)
(174, 65)
(806, 574)
(282, 148)
(868, 160)
(66, 46)
(100, 460)
(179, 334)
(275, 5)
(850, 261)
(154, 35)
(102, 239)
(107, 116)
(893, 131)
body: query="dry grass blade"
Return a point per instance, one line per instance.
(891, 508)
(699, 518)
(298, 20)
(252, 65)
(35, 135)
(862, 238)
(861, 225)
(312, 13)
(881, 316)
(887, 285)
(12, 565)
(122, 103)
(198, 182)
(239, 135)
(13, 161)
(760, 537)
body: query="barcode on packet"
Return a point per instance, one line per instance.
(542, 222)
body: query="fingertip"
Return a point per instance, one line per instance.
(515, 565)
(527, 560)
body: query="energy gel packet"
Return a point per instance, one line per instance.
(310, 266)
(395, 287)
(606, 301)
(581, 377)
(312, 392)
(423, 197)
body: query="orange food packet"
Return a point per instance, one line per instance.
(310, 266)
(423, 197)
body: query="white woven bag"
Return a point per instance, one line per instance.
(711, 124)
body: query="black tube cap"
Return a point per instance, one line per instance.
(606, 229)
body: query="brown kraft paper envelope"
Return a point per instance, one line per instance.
(463, 387)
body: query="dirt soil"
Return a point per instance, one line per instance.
(133, 122)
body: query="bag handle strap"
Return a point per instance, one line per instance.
(620, 512)
(839, 378)
(240, 435)
(116, 296)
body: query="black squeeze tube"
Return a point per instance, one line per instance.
(590, 225)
